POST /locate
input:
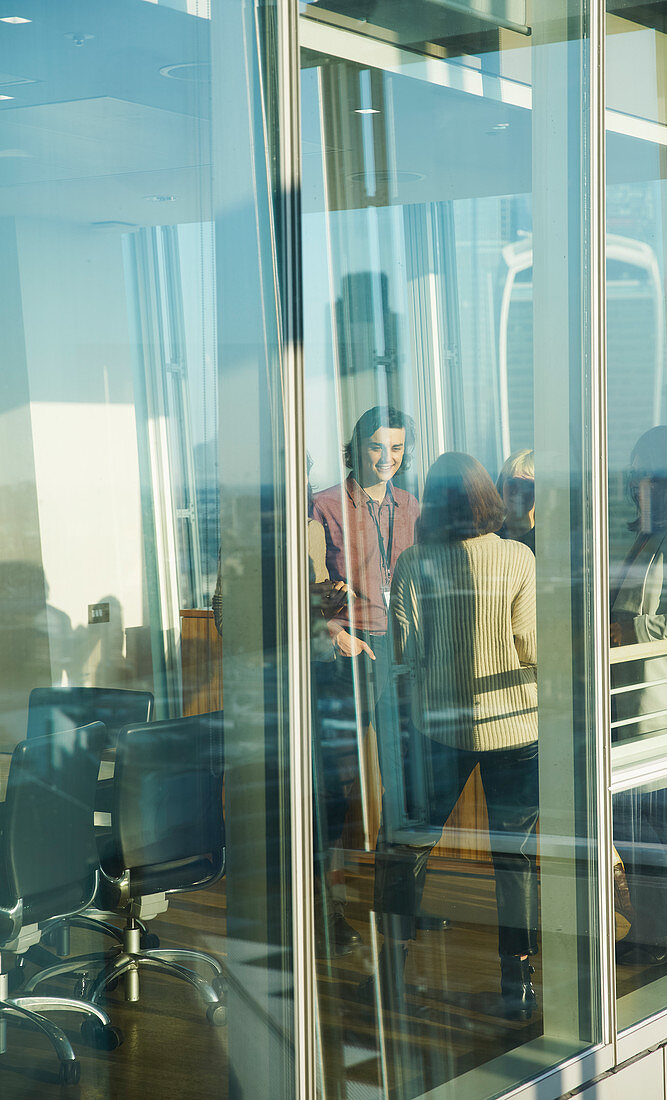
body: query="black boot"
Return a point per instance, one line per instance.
(391, 964)
(345, 938)
(516, 987)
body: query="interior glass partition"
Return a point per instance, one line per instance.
(445, 256)
(637, 446)
(142, 476)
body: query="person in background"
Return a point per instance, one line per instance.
(368, 521)
(639, 615)
(516, 485)
(378, 519)
(463, 622)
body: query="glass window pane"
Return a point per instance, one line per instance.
(637, 449)
(640, 899)
(637, 445)
(136, 181)
(442, 174)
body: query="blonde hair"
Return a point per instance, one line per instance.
(519, 464)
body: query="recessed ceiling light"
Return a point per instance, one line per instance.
(15, 153)
(366, 111)
(113, 225)
(10, 80)
(191, 70)
(399, 175)
(79, 39)
(160, 198)
(6, 96)
(14, 19)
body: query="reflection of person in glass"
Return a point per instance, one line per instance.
(516, 485)
(639, 603)
(639, 614)
(463, 619)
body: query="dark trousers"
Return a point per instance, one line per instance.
(346, 693)
(360, 680)
(510, 782)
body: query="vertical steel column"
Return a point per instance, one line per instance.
(568, 280)
(249, 201)
(298, 598)
(599, 507)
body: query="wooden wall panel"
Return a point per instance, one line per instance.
(201, 661)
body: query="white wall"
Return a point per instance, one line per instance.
(79, 372)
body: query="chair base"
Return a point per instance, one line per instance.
(96, 1026)
(96, 972)
(56, 933)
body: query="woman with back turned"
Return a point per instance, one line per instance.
(463, 619)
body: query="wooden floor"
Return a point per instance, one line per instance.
(447, 1020)
(629, 978)
(170, 1050)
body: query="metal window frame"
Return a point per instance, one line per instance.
(609, 1052)
(298, 600)
(599, 509)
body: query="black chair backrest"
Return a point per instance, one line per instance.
(51, 710)
(48, 837)
(168, 796)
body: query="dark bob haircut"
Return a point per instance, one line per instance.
(460, 501)
(380, 416)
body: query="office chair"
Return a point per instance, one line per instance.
(52, 710)
(50, 867)
(167, 836)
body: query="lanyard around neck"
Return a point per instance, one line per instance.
(385, 551)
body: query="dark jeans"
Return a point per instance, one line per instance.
(510, 782)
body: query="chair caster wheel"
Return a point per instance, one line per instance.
(216, 1015)
(218, 985)
(101, 1036)
(149, 941)
(15, 978)
(70, 1073)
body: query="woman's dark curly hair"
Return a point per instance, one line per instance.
(460, 501)
(380, 416)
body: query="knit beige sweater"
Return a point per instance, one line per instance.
(463, 617)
